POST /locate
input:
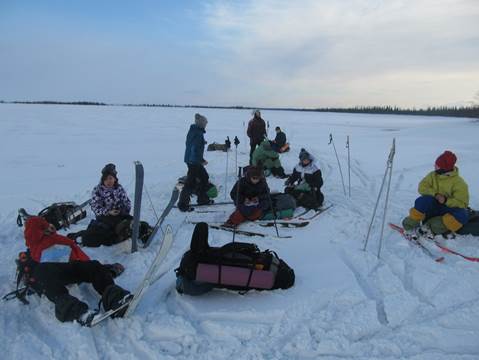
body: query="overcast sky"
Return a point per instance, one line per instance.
(311, 53)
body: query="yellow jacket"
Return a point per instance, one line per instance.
(451, 185)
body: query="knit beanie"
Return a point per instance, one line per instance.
(446, 161)
(200, 120)
(304, 155)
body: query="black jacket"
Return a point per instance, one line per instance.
(280, 139)
(314, 179)
(250, 190)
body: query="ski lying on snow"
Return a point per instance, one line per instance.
(416, 242)
(147, 280)
(207, 205)
(316, 213)
(450, 251)
(288, 224)
(238, 231)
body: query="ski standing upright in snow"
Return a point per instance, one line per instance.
(139, 176)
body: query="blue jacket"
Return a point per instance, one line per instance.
(195, 145)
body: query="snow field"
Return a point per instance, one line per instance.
(346, 304)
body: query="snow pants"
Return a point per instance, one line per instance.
(426, 207)
(197, 180)
(51, 279)
(244, 213)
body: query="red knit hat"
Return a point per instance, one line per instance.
(446, 161)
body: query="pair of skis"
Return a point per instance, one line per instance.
(428, 252)
(270, 223)
(139, 179)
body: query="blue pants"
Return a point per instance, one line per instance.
(430, 207)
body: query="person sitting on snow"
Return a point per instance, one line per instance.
(250, 195)
(53, 261)
(266, 157)
(279, 143)
(111, 205)
(443, 202)
(304, 184)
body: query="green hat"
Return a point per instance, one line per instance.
(212, 192)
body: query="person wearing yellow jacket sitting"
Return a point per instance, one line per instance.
(444, 199)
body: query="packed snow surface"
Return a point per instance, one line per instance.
(346, 303)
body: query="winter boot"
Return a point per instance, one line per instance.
(437, 225)
(113, 297)
(410, 224)
(69, 308)
(115, 269)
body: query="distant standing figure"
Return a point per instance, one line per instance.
(256, 131)
(197, 179)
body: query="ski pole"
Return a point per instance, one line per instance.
(349, 166)
(272, 206)
(339, 164)
(390, 167)
(237, 199)
(227, 145)
(236, 142)
(391, 155)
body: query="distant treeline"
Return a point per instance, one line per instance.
(456, 111)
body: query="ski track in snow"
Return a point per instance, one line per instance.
(346, 303)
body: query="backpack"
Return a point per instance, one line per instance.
(25, 268)
(61, 215)
(472, 226)
(284, 206)
(236, 266)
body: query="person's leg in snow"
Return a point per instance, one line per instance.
(51, 279)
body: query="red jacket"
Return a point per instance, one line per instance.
(37, 241)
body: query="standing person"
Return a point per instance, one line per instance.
(304, 184)
(250, 195)
(256, 131)
(53, 261)
(443, 202)
(197, 179)
(279, 143)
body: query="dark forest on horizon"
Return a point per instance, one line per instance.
(454, 111)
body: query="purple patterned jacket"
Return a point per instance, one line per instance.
(105, 199)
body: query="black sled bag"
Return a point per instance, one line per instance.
(472, 226)
(236, 266)
(62, 214)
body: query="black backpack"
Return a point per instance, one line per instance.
(236, 265)
(62, 214)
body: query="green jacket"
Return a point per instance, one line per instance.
(267, 156)
(451, 185)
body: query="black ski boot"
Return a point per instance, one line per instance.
(113, 297)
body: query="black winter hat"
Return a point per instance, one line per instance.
(304, 155)
(109, 169)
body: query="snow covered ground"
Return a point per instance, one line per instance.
(346, 304)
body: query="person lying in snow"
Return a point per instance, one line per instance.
(279, 143)
(266, 157)
(304, 184)
(250, 195)
(53, 261)
(444, 199)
